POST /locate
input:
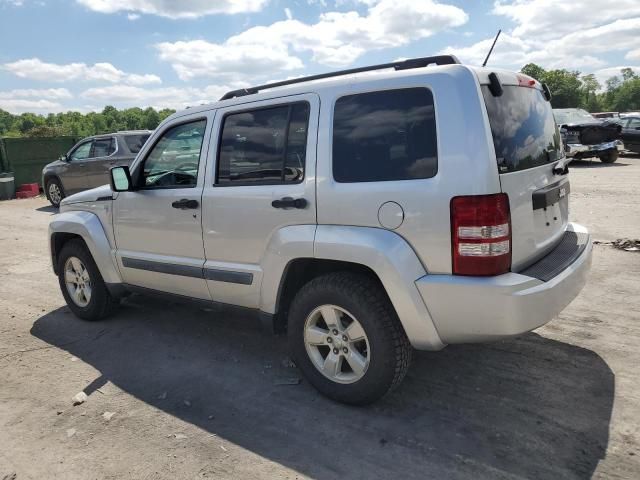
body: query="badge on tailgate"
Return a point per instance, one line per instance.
(551, 194)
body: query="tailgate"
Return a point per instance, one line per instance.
(527, 145)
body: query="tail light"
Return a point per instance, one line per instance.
(481, 234)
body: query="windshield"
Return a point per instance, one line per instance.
(524, 132)
(573, 115)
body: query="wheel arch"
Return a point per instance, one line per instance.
(378, 253)
(51, 176)
(86, 226)
(300, 271)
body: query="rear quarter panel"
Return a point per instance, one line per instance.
(465, 166)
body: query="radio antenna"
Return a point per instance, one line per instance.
(491, 49)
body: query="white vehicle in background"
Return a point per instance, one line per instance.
(423, 204)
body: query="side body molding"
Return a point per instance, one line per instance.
(397, 266)
(88, 226)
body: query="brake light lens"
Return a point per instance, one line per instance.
(481, 235)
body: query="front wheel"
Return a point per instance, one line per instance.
(82, 285)
(609, 157)
(346, 338)
(54, 192)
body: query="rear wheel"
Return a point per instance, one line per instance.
(346, 338)
(54, 191)
(82, 285)
(609, 157)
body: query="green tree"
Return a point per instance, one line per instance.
(590, 87)
(80, 125)
(534, 71)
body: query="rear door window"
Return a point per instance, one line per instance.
(524, 131)
(102, 147)
(385, 135)
(264, 146)
(135, 142)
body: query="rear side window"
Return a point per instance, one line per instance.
(102, 147)
(523, 128)
(264, 146)
(135, 142)
(385, 135)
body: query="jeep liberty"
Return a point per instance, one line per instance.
(421, 204)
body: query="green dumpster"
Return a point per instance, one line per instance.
(26, 156)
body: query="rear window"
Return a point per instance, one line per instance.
(386, 135)
(135, 142)
(524, 132)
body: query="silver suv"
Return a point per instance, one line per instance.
(422, 204)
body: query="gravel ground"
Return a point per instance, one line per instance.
(177, 391)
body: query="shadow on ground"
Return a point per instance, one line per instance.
(47, 209)
(530, 407)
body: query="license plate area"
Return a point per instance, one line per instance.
(550, 195)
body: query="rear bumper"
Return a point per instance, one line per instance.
(579, 150)
(478, 309)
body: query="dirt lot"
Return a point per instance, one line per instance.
(194, 392)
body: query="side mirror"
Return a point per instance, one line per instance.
(63, 158)
(120, 179)
(637, 128)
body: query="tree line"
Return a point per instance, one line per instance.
(80, 125)
(571, 89)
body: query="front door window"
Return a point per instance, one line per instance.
(173, 161)
(82, 152)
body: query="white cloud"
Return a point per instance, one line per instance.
(287, 12)
(545, 19)
(199, 58)
(36, 69)
(571, 35)
(509, 50)
(633, 54)
(167, 97)
(17, 106)
(603, 74)
(45, 93)
(133, 16)
(175, 9)
(44, 100)
(337, 39)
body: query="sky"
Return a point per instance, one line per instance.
(61, 55)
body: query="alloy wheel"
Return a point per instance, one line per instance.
(77, 281)
(337, 344)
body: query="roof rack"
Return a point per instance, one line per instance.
(401, 65)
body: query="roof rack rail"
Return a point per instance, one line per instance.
(401, 65)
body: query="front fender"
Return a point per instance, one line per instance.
(397, 266)
(87, 225)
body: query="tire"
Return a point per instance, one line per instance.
(609, 157)
(99, 303)
(54, 191)
(355, 297)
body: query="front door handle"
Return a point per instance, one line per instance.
(288, 202)
(185, 204)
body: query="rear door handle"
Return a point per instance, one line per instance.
(185, 204)
(288, 202)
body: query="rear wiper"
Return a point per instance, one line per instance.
(562, 167)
